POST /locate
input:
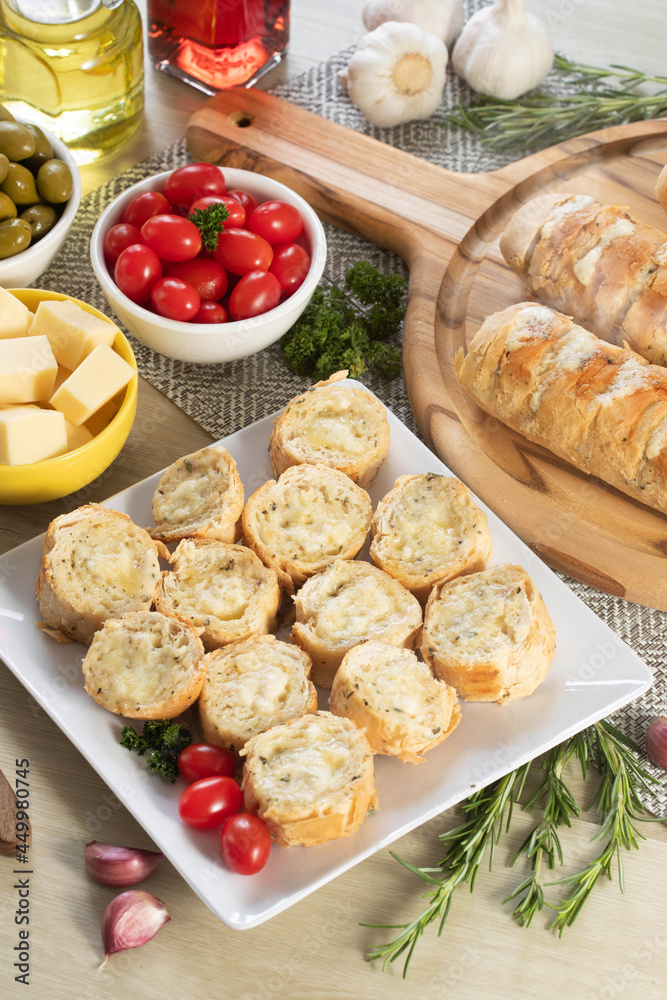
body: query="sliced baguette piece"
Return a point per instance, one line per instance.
(311, 780)
(252, 685)
(222, 590)
(429, 528)
(199, 496)
(301, 523)
(96, 564)
(395, 698)
(336, 425)
(350, 602)
(489, 634)
(145, 666)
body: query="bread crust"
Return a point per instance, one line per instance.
(96, 564)
(311, 516)
(396, 699)
(349, 602)
(429, 528)
(489, 634)
(330, 801)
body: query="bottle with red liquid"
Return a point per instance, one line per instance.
(214, 44)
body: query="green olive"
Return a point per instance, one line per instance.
(54, 181)
(4, 167)
(15, 141)
(7, 207)
(5, 114)
(15, 236)
(19, 184)
(43, 149)
(42, 219)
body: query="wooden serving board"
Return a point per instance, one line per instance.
(446, 226)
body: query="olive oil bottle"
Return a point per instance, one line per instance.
(74, 67)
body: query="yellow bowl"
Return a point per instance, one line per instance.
(57, 477)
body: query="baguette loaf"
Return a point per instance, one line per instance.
(602, 408)
(597, 264)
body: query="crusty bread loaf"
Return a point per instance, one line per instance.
(489, 634)
(597, 264)
(602, 408)
(301, 523)
(429, 528)
(310, 780)
(221, 589)
(396, 699)
(145, 666)
(336, 425)
(96, 564)
(199, 496)
(350, 602)
(252, 685)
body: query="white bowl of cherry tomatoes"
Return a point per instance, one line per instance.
(263, 262)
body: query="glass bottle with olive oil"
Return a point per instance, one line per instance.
(74, 67)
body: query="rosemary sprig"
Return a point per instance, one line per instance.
(538, 119)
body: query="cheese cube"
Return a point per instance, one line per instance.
(61, 376)
(99, 377)
(15, 318)
(76, 436)
(73, 333)
(27, 370)
(28, 434)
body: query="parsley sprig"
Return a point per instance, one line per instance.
(210, 222)
(163, 740)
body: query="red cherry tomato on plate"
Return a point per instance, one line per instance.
(245, 843)
(172, 237)
(276, 221)
(290, 265)
(193, 181)
(136, 271)
(207, 803)
(202, 273)
(205, 760)
(249, 203)
(175, 299)
(256, 293)
(240, 251)
(144, 206)
(211, 312)
(117, 239)
(236, 210)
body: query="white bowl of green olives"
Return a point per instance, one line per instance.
(40, 191)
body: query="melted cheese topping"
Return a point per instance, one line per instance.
(531, 323)
(631, 376)
(569, 354)
(584, 269)
(335, 422)
(255, 681)
(481, 614)
(193, 489)
(216, 584)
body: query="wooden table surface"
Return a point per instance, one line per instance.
(618, 947)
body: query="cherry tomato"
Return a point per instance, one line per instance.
(249, 203)
(290, 265)
(207, 803)
(211, 312)
(256, 293)
(136, 271)
(276, 221)
(175, 299)
(117, 238)
(193, 181)
(205, 760)
(245, 843)
(144, 206)
(172, 237)
(202, 273)
(235, 209)
(240, 251)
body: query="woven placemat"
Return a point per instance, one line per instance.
(225, 398)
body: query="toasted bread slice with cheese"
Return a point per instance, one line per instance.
(395, 698)
(96, 564)
(350, 602)
(336, 425)
(310, 780)
(145, 666)
(489, 634)
(199, 496)
(223, 590)
(429, 528)
(301, 523)
(252, 685)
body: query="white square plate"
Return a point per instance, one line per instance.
(593, 673)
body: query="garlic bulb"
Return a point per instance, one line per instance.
(502, 51)
(397, 74)
(442, 18)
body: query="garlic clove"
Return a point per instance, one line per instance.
(502, 51)
(119, 867)
(131, 919)
(442, 18)
(656, 742)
